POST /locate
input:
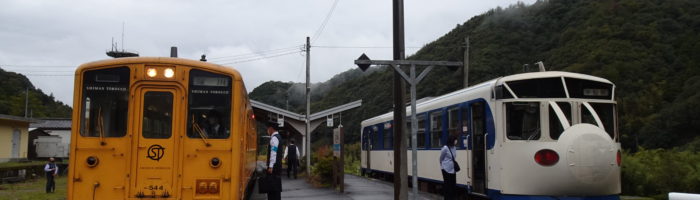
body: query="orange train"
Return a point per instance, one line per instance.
(160, 128)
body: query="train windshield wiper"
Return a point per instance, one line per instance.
(197, 129)
(100, 126)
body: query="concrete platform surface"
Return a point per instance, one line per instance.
(356, 188)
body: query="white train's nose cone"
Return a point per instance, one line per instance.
(590, 153)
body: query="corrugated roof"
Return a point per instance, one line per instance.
(55, 124)
(15, 118)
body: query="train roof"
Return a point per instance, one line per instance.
(453, 97)
(160, 60)
(549, 74)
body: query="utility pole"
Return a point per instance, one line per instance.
(465, 69)
(308, 107)
(400, 165)
(26, 101)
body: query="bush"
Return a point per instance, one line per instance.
(657, 172)
(352, 159)
(322, 169)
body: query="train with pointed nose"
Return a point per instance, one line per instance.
(538, 135)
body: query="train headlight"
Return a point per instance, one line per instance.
(546, 157)
(92, 161)
(215, 162)
(151, 72)
(213, 187)
(169, 73)
(202, 187)
(619, 158)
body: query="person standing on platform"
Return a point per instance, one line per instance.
(274, 158)
(291, 154)
(51, 170)
(449, 167)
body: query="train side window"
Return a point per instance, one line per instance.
(435, 129)
(523, 120)
(555, 127)
(606, 113)
(376, 138)
(157, 115)
(388, 136)
(465, 128)
(209, 105)
(105, 102)
(421, 131)
(453, 122)
(364, 139)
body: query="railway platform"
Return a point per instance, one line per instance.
(356, 188)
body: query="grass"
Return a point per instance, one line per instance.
(30, 163)
(21, 164)
(33, 190)
(635, 198)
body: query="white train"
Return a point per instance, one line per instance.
(540, 135)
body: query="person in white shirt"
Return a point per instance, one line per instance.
(292, 159)
(51, 170)
(449, 167)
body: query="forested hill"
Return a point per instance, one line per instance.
(648, 48)
(12, 98)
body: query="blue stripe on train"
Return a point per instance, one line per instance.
(496, 194)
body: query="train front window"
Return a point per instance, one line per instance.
(209, 105)
(606, 114)
(157, 115)
(556, 128)
(523, 120)
(105, 101)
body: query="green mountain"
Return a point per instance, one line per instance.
(12, 98)
(648, 48)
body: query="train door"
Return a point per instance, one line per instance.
(365, 146)
(370, 142)
(478, 141)
(156, 162)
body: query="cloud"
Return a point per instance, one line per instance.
(62, 34)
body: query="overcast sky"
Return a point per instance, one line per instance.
(47, 40)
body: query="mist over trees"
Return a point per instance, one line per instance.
(647, 48)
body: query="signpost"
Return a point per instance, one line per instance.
(339, 164)
(364, 62)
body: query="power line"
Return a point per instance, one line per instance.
(52, 66)
(320, 29)
(62, 75)
(259, 58)
(269, 51)
(360, 47)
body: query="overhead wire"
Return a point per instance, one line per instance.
(256, 53)
(259, 58)
(320, 29)
(358, 47)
